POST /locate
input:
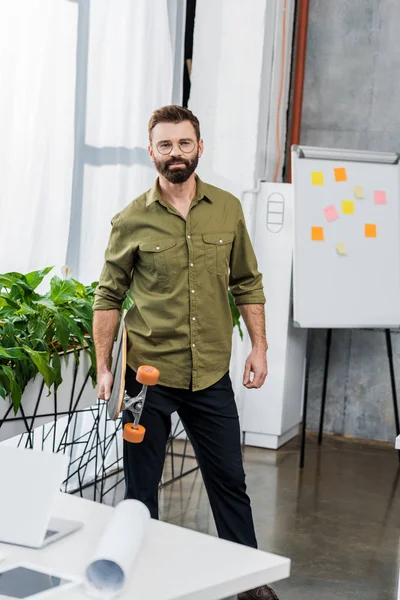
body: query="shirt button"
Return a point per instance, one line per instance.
(194, 345)
(188, 237)
(220, 241)
(157, 247)
(193, 318)
(192, 291)
(191, 264)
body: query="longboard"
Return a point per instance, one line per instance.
(114, 405)
(119, 399)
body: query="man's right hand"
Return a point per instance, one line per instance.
(105, 382)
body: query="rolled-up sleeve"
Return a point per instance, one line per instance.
(245, 280)
(116, 275)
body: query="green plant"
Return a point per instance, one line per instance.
(36, 329)
(235, 314)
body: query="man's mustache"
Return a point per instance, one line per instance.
(174, 161)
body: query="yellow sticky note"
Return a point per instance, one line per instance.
(317, 234)
(370, 230)
(359, 192)
(340, 174)
(341, 249)
(348, 207)
(317, 178)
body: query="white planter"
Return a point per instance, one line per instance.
(75, 393)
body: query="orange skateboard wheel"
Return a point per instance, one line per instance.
(132, 435)
(147, 375)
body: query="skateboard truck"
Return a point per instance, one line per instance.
(119, 399)
(134, 432)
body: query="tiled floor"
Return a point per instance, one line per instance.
(338, 520)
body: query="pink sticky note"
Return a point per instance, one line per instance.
(380, 197)
(331, 213)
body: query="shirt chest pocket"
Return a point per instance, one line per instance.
(217, 252)
(159, 256)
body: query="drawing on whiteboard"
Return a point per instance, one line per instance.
(359, 192)
(331, 213)
(275, 212)
(341, 249)
(317, 178)
(370, 230)
(380, 197)
(317, 234)
(348, 207)
(340, 174)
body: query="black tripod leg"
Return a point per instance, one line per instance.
(326, 369)
(393, 382)
(305, 400)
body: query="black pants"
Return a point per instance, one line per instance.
(211, 422)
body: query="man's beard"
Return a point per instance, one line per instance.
(177, 175)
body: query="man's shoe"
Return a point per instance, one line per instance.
(261, 593)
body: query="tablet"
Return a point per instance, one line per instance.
(23, 580)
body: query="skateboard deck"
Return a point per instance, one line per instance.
(118, 369)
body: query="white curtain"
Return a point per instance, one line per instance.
(130, 73)
(79, 80)
(37, 81)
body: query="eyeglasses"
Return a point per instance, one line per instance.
(186, 146)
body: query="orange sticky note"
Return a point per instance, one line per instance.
(317, 234)
(340, 174)
(348, 207)
(317, 178)
(370, 230)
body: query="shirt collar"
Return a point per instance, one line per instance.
(154, 194)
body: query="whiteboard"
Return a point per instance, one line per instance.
(346, 262)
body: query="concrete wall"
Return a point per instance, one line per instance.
(352, 100)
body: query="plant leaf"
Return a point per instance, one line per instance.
(7, 280)
(35, 278)
(62, 330)
(6, 300)
(56, 364)
(41, 360)
(46, 303)
(80, 288)
(37, 329)
(75, 331)
(15, 390)
(235, 314)
(62, 290)
(12, 353)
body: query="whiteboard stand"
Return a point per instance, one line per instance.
(346, 256)
(328, 342)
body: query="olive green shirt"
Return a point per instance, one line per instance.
(179, 272)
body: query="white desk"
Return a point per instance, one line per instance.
(175, 563)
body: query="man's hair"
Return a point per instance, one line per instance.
(173, 114)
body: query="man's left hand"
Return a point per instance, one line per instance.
(256, 364)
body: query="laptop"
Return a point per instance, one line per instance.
(29, 483)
